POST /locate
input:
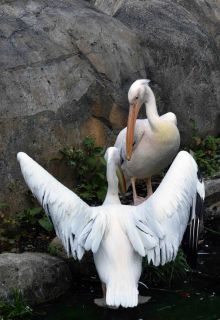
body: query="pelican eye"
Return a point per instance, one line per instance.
(136, 97)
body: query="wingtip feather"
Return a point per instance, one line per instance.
(21, 155)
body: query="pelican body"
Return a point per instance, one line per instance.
(121, 235)
(146, 146)
(118, 265)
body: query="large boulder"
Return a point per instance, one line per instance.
(38, 276)
(207, 12)
(179, 39)
(65, 70)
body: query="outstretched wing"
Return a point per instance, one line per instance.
(79, 226)
(175, 204)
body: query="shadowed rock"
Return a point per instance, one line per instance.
(38, 276)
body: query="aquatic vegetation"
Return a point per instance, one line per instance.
(15, 307)
(88, 169)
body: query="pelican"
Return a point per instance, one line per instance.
(146, 146)
(121, 235)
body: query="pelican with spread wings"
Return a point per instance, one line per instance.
(121, 235)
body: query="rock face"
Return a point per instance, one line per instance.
(38, 276)
(181, 56)
(207, 12)
(66, 68)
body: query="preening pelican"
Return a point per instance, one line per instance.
(146, 146)
(121, 235)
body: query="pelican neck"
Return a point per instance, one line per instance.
(151, 109)
(112, 179)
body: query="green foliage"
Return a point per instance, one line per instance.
(3, 205)
(53, 250)
(34, 216)
(169, 273)
(15, 308)
(89, 170)
(45, 223)
(206, 152)
(22, 227)
(8, 228)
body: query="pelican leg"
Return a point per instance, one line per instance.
(143, 299)
(137, 200)
(149, 187)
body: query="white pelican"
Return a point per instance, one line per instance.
(146, 146)
(121, 235)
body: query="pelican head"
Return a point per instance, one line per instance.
(112, 158)
(137, 95)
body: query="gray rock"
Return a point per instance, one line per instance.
(207, 12)
(212, 188)
(212, 197)
(181, 56)
(109, 7)
(38, 276)
(65, 70)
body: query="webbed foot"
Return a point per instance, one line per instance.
(143, 299)
(102, 303)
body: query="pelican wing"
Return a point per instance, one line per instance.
(79, 226)
(175, 204)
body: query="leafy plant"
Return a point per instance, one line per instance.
(169, 273)
(15, 307)
(8, 228)
(21, 229)
(34, 216)
(88, 167)
(52, 250)
(206, 152)
(3, 205)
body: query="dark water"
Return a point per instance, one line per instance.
(162, 306)
(196, 298)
